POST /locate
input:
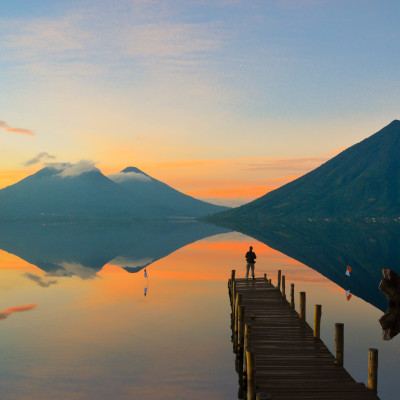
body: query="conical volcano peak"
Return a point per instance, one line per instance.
(133, 169)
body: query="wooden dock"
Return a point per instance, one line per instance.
(279, 356)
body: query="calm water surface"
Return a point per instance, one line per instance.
(87, 331)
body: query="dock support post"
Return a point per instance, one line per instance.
(238, 302)
(302, 314)
(292, 295)
(251, 374)
(233, 273)
(270, 282)
(339, 344)
(279, 279)
(247, 343)
(283, 287)
(265, 277)
(233, 296)
(230, 291)
(373, 370)
(240, 345)
(317, 320)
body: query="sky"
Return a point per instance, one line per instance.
(223, 100)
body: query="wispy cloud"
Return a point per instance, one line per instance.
(43, 37)
(129, 176)
(298, 4)
(70, 170)
(38, 158)
(7, 128)
(71, 44)
(6, 313)
(168, 40)
(79, 168)
(40, 281)
(297, 165)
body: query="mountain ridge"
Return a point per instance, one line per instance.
(362, 181)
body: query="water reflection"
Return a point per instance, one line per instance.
(6, 313)
(390, 321)
(39, 280)
(102, 338)
(329, 247)
(146, 288)
(66, 250)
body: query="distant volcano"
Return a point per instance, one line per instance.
(82, 191)
(362, 181)
(149, 189)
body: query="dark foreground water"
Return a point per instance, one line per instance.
(75, 322)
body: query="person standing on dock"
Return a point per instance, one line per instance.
(251, 260)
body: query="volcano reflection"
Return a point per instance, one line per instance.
(82, 249)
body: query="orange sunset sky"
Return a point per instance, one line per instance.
(224, 101)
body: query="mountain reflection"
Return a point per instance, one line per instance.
(82, 249)
(329, 247)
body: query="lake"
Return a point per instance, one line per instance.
(98, 312)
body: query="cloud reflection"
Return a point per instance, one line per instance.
(6, 313)
(40, 281)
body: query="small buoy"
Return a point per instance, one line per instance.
(252, 316)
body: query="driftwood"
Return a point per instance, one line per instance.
(390, 321)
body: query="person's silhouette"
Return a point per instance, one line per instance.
(251, 260)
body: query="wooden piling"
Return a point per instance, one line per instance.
(373, 370)
(238, 302)
(251, 374)
(317, 320)
(279, 279)
(283, 287)
(265, 277)
(339, 344)
(269, 281)
(292, 295)
(247, 343)
(233, 296)
(240, 344)
(232, 281)
(302, 314)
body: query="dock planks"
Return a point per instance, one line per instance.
(289, 362)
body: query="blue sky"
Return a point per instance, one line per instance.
(148, 82)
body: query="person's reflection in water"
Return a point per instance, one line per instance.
(390, 321)
(146, 288)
